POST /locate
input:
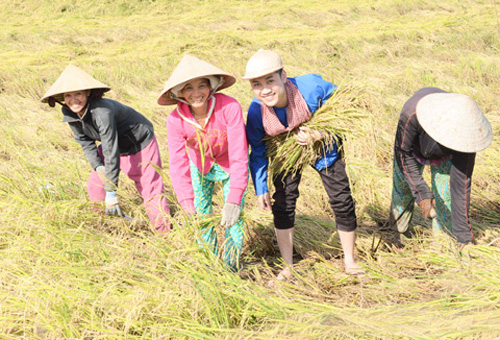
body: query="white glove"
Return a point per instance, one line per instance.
(101, 170)
(230, 214)
(112, 207)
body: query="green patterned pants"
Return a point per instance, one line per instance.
(403, 202)
(203, 186)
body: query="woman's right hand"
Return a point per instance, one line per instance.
(112, 204)
(264, 201)
(427, 206)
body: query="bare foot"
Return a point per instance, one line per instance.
(462, 246)
(355, 271)
(283, 275)
(352, 268)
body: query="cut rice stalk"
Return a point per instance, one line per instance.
(338, 118)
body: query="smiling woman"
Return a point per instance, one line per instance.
(77, 101)
(72, 274)
(211, 125)
(196, 92)
(127, 143)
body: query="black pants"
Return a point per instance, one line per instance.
(337, 187)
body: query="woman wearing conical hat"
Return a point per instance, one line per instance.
(211, 125)
(445, 131)
(127, 143)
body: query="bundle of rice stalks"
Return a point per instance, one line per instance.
(337, 119)
(202, 223)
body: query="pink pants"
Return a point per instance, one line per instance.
(139, 168)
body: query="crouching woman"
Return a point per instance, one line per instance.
(127, 143)
(445, 131)
(210, 125)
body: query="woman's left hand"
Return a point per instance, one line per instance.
(230, 214)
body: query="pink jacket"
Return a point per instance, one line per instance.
(223, 140)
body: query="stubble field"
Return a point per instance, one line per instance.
(69, 272)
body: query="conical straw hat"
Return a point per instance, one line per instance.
(190, 68)
(72, 79)
(455, 121)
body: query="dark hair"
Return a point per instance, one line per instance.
(96, 94)
(52, 101)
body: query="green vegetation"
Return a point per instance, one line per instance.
(67, 271)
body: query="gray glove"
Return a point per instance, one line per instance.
(230, 214)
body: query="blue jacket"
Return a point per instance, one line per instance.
(315, 91)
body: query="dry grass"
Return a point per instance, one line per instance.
(339, 118)
(69, 272)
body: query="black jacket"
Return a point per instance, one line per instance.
(120, 129)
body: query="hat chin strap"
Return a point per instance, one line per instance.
(182, 100)
(221, 81)
(194, 123)
(52, 102)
